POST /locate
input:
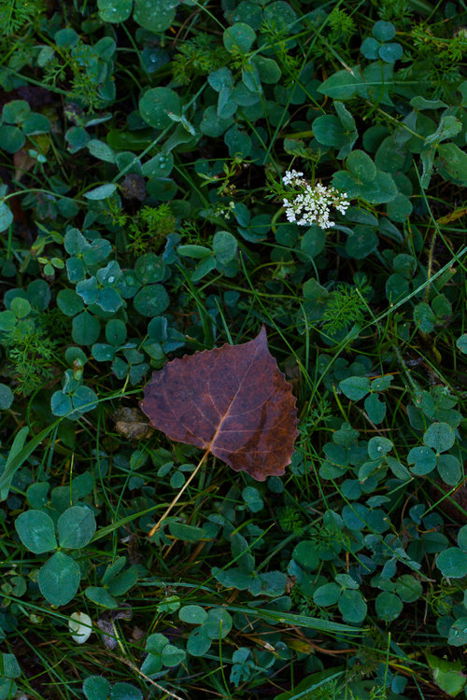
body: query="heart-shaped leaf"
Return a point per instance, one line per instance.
(232, 401)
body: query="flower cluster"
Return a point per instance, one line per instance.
(311, 205)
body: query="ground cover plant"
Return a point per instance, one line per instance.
(179, 176)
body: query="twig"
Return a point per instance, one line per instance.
(177, 497)
(135, 668)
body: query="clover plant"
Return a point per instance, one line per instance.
(173, 176)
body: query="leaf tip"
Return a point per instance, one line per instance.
(262, 336)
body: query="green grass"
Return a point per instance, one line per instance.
(345, 577)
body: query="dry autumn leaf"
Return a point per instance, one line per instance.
(130, 423)
(232, 401)
(22, 162)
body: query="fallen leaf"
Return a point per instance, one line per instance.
(130, 423)
(232, 401)
(22, 162)
(106, 624)
(134, 187)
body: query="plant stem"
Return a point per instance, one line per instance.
(177, 497)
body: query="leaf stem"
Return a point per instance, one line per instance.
(177, 497)
(135, 668)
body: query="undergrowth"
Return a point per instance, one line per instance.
(143, 148)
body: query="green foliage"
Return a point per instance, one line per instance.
(14, 14)
(344, 306)
(59, 577)
(29, 349)
(98, 688)
(342, 26)
(142, 149)
(149, 230)
(198, 56)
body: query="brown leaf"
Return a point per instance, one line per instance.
(134, 187)
(22, 162)
(106, 624)
(130, 423)
(231, 401)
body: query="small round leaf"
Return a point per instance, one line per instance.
(85, 329)
(225, 247)
(239, 38)
(452, 563)
(408, 588)
(198, 642)
(150, 268)
(155, 105)
(172, 655)
(462, 538)
(155, 15)
(369, 48)
(101, 192)
(305, 555)
(449, 469)
(114, 11)
(218, 624)
(375, 408)
(458, 632)
(6, 216)
(6, 397)
(325, 595)
(388, 606)
(125, 691)
(36, 531)
(361, 165)
(379, 447)
(352, 606)
(423, 458)
(69, 302)
(151, 300)
(100, 596)
(461, 342)
(61, 404)
(439, 436)
(11, 138)
(193, 614)
(59, 579)
(390, 53)
(355, 388)
(115, 332)
(96, 688)
(76, 527)
(383, 31)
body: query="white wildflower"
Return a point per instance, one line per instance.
(291, 176)
(311, 205)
